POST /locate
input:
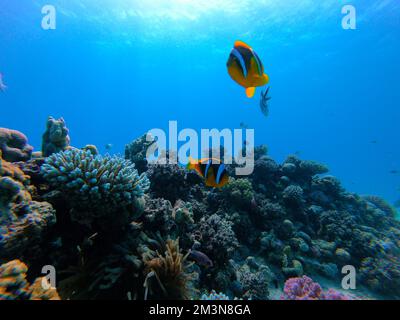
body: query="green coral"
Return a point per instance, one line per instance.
(239, 191)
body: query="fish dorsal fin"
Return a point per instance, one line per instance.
(250, 92)
(239, 43)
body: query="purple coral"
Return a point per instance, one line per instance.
(305, 288)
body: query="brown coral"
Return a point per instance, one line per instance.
(14, 286)
(170, 270)
(22, 220)
(14, 145)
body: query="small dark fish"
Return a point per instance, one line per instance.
(394, 172)
(243, 125)
(3, 87)
(201, 258)
(264, 105)
(374, 142)
(108, 146)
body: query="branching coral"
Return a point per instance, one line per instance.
(217, 238)
(167, 274)
(95, 184)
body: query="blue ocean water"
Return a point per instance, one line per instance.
(115, 69)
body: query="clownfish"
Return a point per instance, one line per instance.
(246, 68)
(212, 170)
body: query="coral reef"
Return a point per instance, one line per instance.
(95, 184)
(305, 288)
(170, 272)
(136, 152)
(55, 138)
(14, 145)
(107, 225)
(14, 286)
(23, 222)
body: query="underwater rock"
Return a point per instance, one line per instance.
(14, 146)
(97, 187)
(342, 255)
(14, 286)
(56, 138)
(296, 270)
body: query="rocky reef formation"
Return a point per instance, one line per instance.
(117, 228)
(55, 138)
(23, 222)
(14, 286)
(14, 145)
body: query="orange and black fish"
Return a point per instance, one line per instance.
(212, 170)
(246, 68)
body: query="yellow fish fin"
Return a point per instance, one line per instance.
(266, 78)
(250, 92)
(239, 43)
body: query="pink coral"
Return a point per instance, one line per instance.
(302, 289)
(305, 288)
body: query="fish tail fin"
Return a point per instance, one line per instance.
(250, 92)
(192, 164)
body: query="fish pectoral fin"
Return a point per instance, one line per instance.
(250, 92)
(266, 78)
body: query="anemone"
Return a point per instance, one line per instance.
(170, 270)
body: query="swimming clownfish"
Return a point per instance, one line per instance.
(246, 68)
(212, 170)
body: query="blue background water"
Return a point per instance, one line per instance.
(117, 68)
